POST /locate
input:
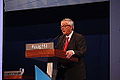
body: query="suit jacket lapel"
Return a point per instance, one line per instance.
(63, 42)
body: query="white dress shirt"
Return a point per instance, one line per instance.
(70, 35)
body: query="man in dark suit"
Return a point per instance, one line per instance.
(75, 45)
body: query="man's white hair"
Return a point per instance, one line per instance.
(70, 22)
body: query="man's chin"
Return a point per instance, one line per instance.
(64, 33)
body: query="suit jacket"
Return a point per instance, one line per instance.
(74, 71)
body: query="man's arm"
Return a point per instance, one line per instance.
(80, 45)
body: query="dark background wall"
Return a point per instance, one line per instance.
(43, 25)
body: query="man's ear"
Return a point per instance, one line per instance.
(72, 27)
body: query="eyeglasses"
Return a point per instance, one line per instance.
(64, 26)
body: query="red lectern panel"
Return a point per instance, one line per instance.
(48, 53)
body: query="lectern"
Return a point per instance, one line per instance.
(46, 52)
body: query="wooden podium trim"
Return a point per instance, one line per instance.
(40, 53)
(48, 53)
(12, 76)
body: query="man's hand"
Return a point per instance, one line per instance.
(69, 53)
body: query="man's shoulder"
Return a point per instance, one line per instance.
(77, 34)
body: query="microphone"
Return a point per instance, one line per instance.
(47, 40)
(55, 38)
(51, 40)
(55, 42)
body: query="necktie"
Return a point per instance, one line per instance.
(66, 44)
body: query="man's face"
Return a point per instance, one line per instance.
(66, 28)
